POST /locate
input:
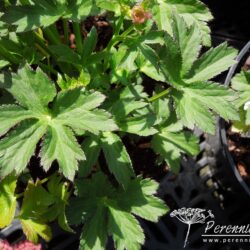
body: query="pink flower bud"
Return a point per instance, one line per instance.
(139, 15)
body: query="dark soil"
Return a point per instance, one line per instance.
(239, 145)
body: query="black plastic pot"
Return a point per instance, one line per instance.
(240, 59)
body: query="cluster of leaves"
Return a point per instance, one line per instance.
(241, 83)
(72, 108)
(41, 204)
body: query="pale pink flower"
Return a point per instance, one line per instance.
(139, 15)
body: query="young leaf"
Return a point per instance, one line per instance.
(117, 158)
(59, 191)
(7, 200)
(110, 211)
(241, 83)
(32, 210)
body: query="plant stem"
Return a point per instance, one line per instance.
(8, 56)
(119, 25)
(52, 34)
(186, 239)
(161, 94)
(46, 67)
(19, 195)
(43, 180)
(43, 51)
(66, 31)
(78, 35)
(117, 38)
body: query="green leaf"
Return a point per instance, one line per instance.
(32, 210)
(94, 235)
(65, 54)
(126, 230)
(91, 147)
(117, 158)
(148, 69)
(33, 228)
(60, 144)
(79, 10)
(72, 109)
(7, 200)
(29, 17)
(33, 90)
(171, 61)
(188, 40)
(44, 13)
(18, 146)
(108, 211)
(72, 104)
(111, 5)
(139, 199)
(193, 105)
(196, 100)
(193, 11)
(89, 45)
(212, 63)
(140, 125)
(59, 191)
(3, 63)
(241, 83)
(10, 115)
(170, 145)
(123, 102)
(149, 54)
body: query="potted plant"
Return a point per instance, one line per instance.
(77, 102)
(235, 136)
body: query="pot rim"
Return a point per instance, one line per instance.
(222, 132)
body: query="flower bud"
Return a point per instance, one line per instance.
(139, 15)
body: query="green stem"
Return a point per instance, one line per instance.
(44, 52)
(8, 56)
(52, 34)
(117, 38)
(119, 25)
(66, 31)
(19, 195)
(78, 35)
(128, 30)
(161, 94)
(46, 67)
(43, 180)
